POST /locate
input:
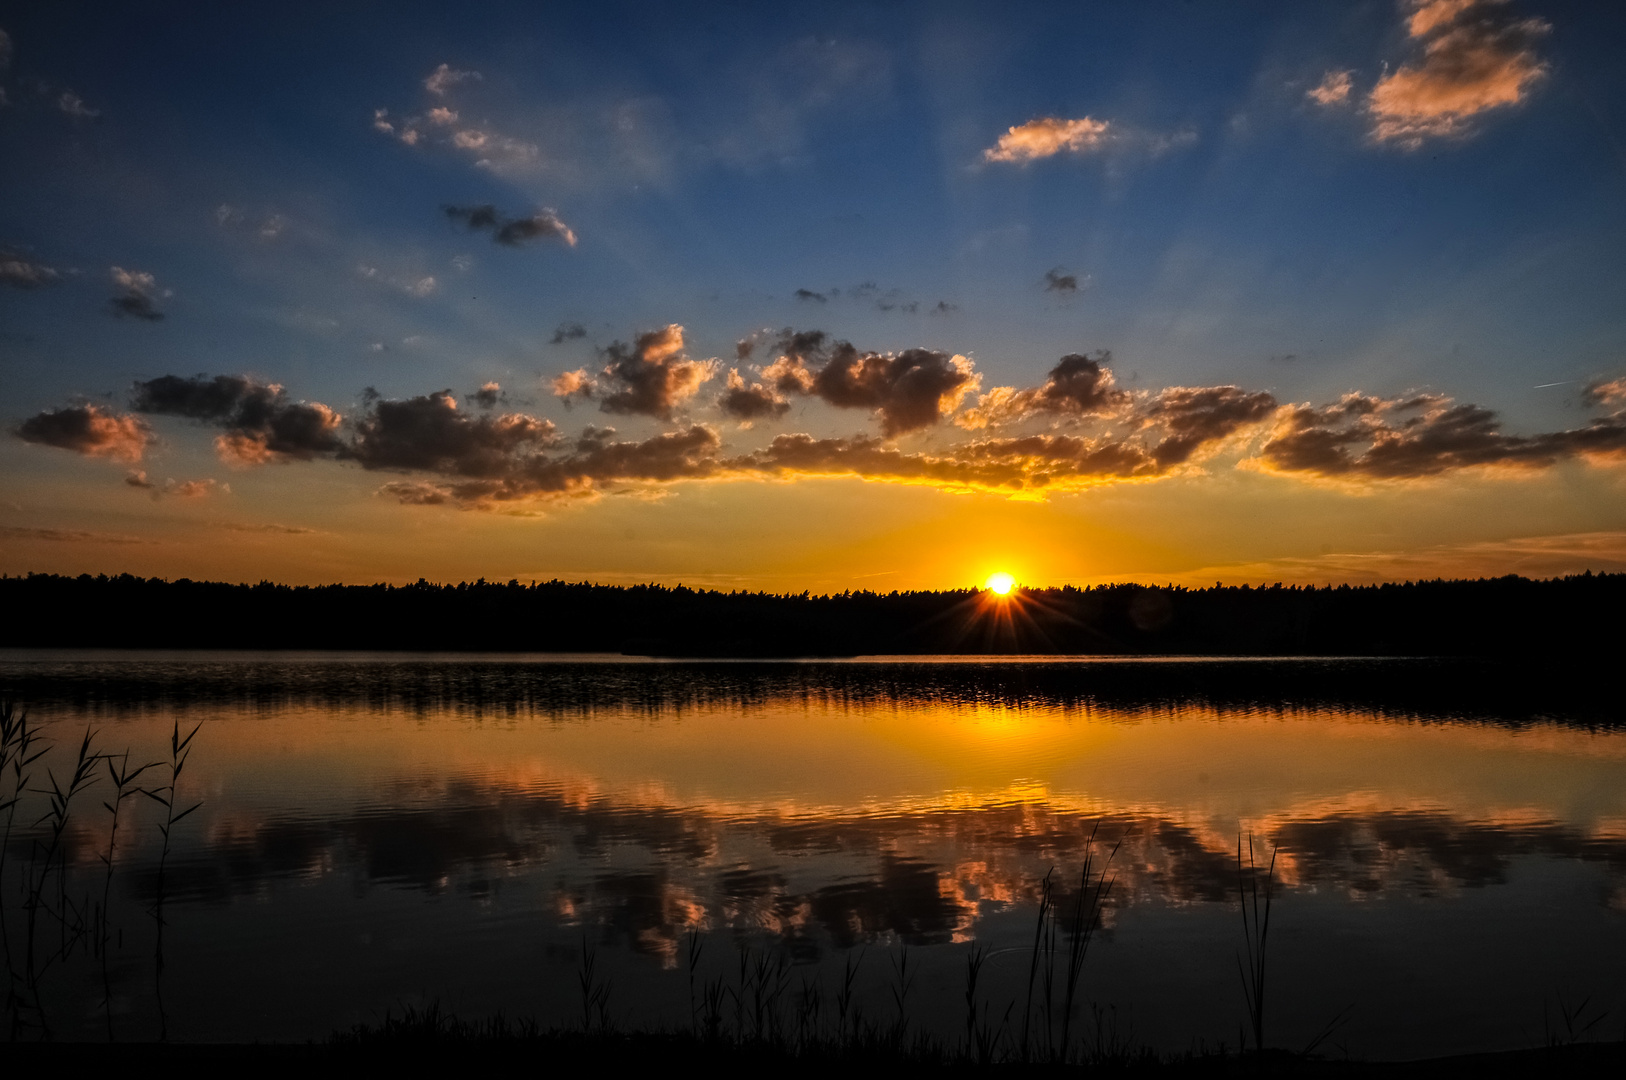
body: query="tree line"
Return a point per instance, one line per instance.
(1573, 617)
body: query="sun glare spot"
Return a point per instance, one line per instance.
(1001, 583)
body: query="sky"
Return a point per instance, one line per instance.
(816, 296)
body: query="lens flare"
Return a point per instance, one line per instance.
(1001, 583)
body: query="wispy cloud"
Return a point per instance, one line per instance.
(180, 489)
(68, 536)
(445, 77)
(21, 271)
(71, 103)
(1477, 56)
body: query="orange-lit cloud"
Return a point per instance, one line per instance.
(1047, 137)
(1334, 89)
(1476, 57)
(89, 430)
(652, 377)
(1077, 386)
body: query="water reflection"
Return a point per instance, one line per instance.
(410, 827)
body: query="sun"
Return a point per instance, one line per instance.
(1001, 583)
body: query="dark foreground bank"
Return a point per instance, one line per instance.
(574, 1053)
(1576, 616)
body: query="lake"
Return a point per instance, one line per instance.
(378, 831)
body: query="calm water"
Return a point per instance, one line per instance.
(378, 831)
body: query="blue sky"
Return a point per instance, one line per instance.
(1299, 201)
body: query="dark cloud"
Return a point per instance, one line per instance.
(945, 308)
(135, 306)
(489, 396)
(809, 294)
(89, 430)
(1078, 385)
(430, 434)
(567, 331)
(652, 377)
(137, 295)
(1197, 416)
(20, 271)
(751, 402)
(1059, 280)
(260, 423)
(598, 460)
(512, 232)
(1374, 438)
(910, 390)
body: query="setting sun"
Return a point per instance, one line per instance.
(1001, 583)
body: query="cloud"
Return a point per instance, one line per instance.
(1195, 417)
(1048, 137)
(1476, 57)
(488, 396)
(180, 489)
(445, 77)
(22, 272)
(71, 104)
(572, 384)
(1361, 437)
(944, 308)
(430, 434)
(1058, 280)
(89, 430)
(567, 331)
(1600, 392)
(261, 424)
(1077, 386)
(651, 378)
(419, 287)
(908, 390)
(1334, 89)
(1030, 464)
(809, 294)
(597, 460)
(266, 527)
(5, 50)
(138, 292)
(512, 232)
(748, 403)
(68, 536)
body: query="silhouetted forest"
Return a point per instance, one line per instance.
(1572, 617)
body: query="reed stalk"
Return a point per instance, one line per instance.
(1255, 936)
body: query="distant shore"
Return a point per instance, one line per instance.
(1573, 618)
